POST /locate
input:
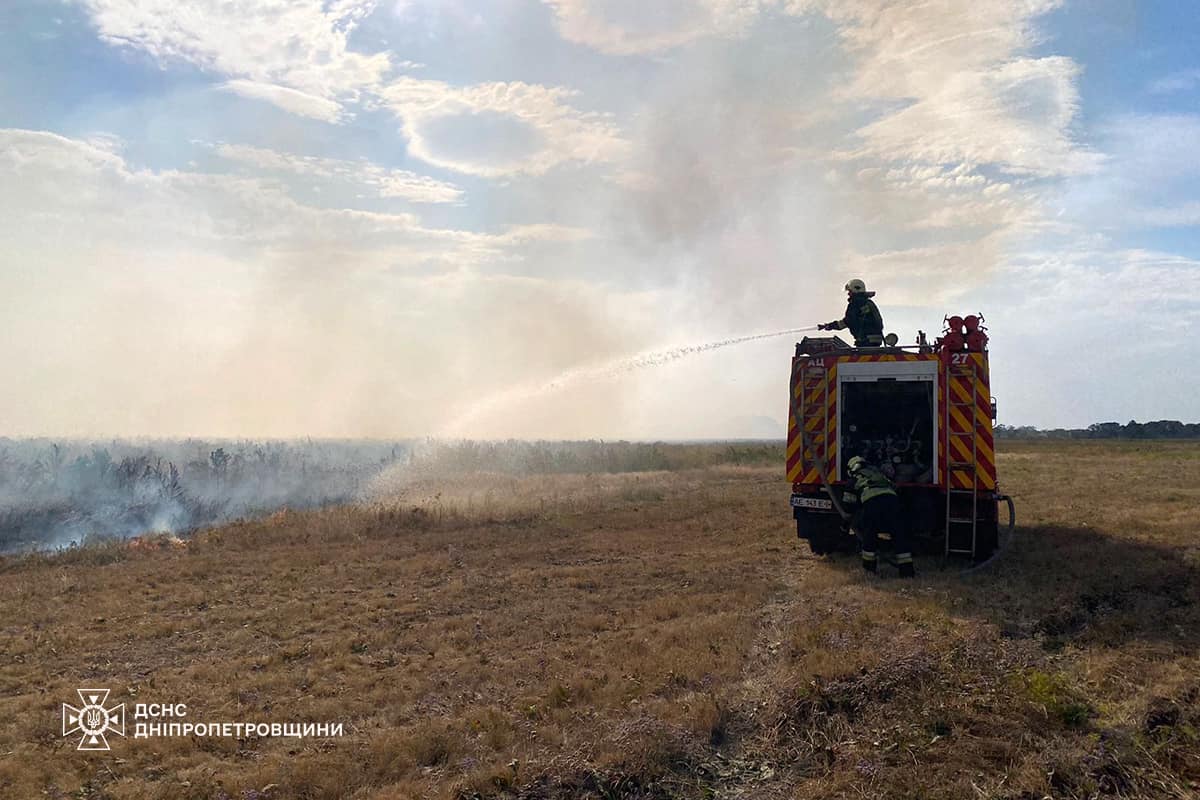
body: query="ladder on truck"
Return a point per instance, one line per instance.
(813, 444)
(960, 520)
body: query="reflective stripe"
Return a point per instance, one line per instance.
(903, 558)
(867, 556)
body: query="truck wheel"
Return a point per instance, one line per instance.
(986, 540)
(824, 535)
(816, 542)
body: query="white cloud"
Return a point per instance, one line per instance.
(1155, 148)
(1015, 116)
(1112, 283)
(291, 100)
(295, 55)
(25, 150)
(628, 27)
(1119, 295)
(1184, 215)
(497, 129)
(294, 44)
(967, 135)
(1082, 334)
(969, 92)
(76, 183)
(381, 181)
(1182, 81)
(935, 275)
(936, 197)
(542, 232)
(963, 127)
(1149, 176)
(907, 50)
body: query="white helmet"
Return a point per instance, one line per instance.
(855, 286)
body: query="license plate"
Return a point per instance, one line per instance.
(812, 502)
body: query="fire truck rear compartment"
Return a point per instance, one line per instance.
(889, 421)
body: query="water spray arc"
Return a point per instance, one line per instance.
(595, 372)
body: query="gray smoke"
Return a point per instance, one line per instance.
(59, 494)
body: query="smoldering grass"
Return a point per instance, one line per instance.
(58, 495)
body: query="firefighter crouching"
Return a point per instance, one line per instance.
(879, 513)
(862, 316)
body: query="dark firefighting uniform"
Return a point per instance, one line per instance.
(879, 512)
(863, 319)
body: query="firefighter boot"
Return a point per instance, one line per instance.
(869, 563)
(904, 563)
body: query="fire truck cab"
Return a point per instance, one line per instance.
(922, 413)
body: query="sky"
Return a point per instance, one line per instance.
(353, 218)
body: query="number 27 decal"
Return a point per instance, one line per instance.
(959, 358)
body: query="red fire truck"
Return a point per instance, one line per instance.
(922, 413)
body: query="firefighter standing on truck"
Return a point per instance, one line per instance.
(879, 514)
(862, 317)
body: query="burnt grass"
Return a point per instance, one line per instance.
(661, 635)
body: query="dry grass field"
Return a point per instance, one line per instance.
(639, 635)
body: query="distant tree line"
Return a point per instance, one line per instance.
(1159, 429)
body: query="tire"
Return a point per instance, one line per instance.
(816, 543)
(986, 540)
(823, 532)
